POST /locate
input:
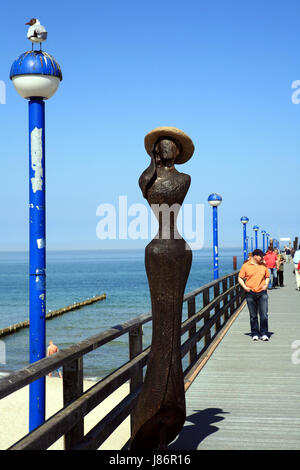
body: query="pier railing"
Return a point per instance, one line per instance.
(209, 309)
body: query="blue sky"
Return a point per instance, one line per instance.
(221, 70)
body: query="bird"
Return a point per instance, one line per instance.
(36, 32)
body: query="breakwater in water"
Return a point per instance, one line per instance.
(52, 314)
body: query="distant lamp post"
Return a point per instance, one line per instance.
(256, 229)
(267, 237)
(36, 76)
(251, 244)
(247, 246)
(215, 200)
(263, 232)
(244, 221)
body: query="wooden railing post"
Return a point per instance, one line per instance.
(216, 294)
(206, 317)
(238, 291)
(73, 389)
(232, 302)
(135, 348)
(225, 299)
(192, 330)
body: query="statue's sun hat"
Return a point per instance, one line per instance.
(186, 143)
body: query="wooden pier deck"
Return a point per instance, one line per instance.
(247, 396)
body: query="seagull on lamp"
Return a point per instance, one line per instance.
(36, 32)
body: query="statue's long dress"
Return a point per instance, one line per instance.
(160, 412)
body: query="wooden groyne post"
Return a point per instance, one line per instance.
(234, 263)
(56, 313)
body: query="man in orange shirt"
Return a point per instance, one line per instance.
(254, 278)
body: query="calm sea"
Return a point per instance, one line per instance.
(73, 276)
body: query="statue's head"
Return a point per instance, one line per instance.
(165, 151)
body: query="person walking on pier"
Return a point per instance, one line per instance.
(272, 264)
(296, 260)
(254, 277)
(287, 253)
(281, 261)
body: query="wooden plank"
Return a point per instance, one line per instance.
(192, 330)
(102, 430)
(225, 299)
(206, 302)
(135, 348)
(217, 308)
(231, 295)
(73, 389)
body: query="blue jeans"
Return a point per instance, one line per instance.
(258, 304)
(273, 277)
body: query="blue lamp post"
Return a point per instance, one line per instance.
(36, 76)
(247, 246)
(267, 237)
(244, 221)
(256, 229)
(251, 244)
(263, 232)
(215, 200)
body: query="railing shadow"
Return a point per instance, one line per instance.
(202, 426)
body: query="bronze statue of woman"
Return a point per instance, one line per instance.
(160, 412)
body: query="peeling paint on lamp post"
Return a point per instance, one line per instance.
(36, 76)
(215, 200)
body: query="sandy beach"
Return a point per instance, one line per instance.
(14, 415)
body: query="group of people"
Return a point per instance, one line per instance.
(263, 271)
